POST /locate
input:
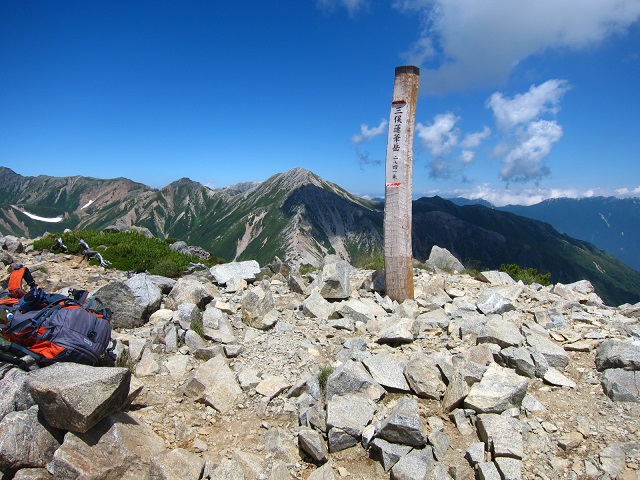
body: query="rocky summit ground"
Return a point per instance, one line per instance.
(322, 376)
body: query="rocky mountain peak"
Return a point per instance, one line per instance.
(298, 177)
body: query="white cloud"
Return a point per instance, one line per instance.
(525, 107)
(528, 196)
(527, 139)
(440, 137)
(473, 140)
(421, 51)
(524, 162)
(467, 156)
(479, 43)
(628, 192)
(449, 155)
(367, 134)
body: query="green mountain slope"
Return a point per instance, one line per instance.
(486, 238)
(300, 218)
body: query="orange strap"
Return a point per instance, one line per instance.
(15, 283)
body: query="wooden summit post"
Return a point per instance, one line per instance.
(398, 256)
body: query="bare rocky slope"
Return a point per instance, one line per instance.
(473, 379)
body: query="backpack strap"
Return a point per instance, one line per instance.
(13, 359)
(15, 282)
(42, 316)
(20, 351)
(103, 311)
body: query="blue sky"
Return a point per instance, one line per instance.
(519, 100)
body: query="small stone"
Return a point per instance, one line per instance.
(570, 440)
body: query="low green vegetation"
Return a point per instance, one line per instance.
(124, 360)
(374, 261)
(126, 251)
(307, 268)
(197, 326)
(527, 275)
(323, 376)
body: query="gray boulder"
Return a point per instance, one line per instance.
(147, 294)
(256, 303)
(387, 371)
(191, 289)
(403, 425)
(443, 259)
(216, 326)
(340, 440)
(424, 377)
(15, 393)
(214, 384)
(554, 377)
(176, 463)
(315, 306)
(165, 284)
(497, 278)
(352, 377)
(501, 332)
(25, 442)
(118, 227)
(615, 353)
(297, 284)
(396, 331)
(118, 447)
(436, 319)
(520, 360)
(187, 313)
(312, 443)
(333, 282)
(357, 310)
(325, 472)
(13, 244)
(456, 391)
(509, 468)
(501, 434)
(550, 318)
(492, 301)
(224, 272)
(440, 443)
(418, 463)
(194, 341)
(389, 453)
(32, 474)
(554, 354)
(128, 309)
(76, 397)
(149, 364)
(621, 385)
(500, 389)
(179, 246)
(488, 471)
(350, 413)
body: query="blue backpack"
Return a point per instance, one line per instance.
(58, 329)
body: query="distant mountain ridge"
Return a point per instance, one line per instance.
(610, 223)
(300, 217)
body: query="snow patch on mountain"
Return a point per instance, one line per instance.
(36, 217)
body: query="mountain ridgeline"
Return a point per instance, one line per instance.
(300, 217)
(610, 223)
